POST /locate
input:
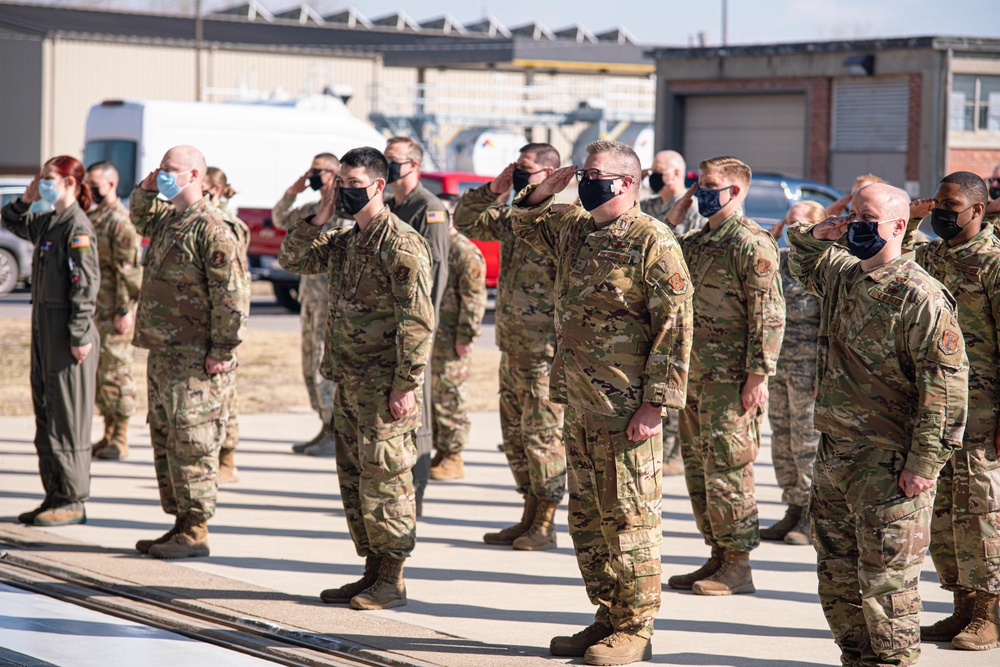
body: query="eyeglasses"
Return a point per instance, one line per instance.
(317, 172)
(597, 174)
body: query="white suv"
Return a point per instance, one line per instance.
(15, 252)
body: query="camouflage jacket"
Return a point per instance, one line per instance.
(914, 238)
(623, 306)
(892, 370)
(65, 275)
(800, 344)
(381, 316)
(464, 301)
(971, 272)
(525, 311)
(194, 297)
(658, 207)
(739, 310)
(118, 248)
(424, 212)
(313, 288)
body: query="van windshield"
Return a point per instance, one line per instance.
(118, 152)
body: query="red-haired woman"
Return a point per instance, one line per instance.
(65, 278)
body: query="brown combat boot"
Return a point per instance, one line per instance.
(190, 541)
(142, 546)
(575, 646)
(389, 589)
(450, 467)
(344, 594)
(733, 578)
(946, 629)
(103, 442)
(684, 582)
(778, 531)
(60, 516)
(227, 468)
(117, 447)
(619, 648)
(802, 533)
(542, 534)
(983, 633)
(511, 533)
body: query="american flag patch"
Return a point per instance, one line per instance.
(46, 245)
(82, 241)
(436, 216)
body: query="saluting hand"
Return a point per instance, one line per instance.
(680, 209)
(504, 180)
(149, 183)
(299, 186)
(921, 208)
(31, 192)
(839, 207)
(830, 229)
(553, 183)
(327, 206)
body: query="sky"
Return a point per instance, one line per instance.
(675, 22)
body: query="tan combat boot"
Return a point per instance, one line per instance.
(450, 467)
(190, 541)
(542, 534)
(619, 648)
(733, 578)
(60, 516)
(389, 589)
(684, 582)
(802, 533)
(142, 546)
(117, 447)
(946, 629)
(778, 531)
(227, 468)
(511, 533)
(575, 646)
(983, 633)
(344, 594)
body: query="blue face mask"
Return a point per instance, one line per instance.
(863, 240)
(708, 200)
(47, 190)
(166, 183)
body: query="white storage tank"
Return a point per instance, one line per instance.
(484, 150)
(637, 135)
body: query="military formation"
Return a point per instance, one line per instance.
(872, 348)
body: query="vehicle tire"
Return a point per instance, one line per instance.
(287, 295)
(8, 271)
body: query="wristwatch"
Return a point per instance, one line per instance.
(121, 312)
(655, 405)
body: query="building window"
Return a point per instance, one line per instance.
(975, 103)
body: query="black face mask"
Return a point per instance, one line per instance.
(353, 200)
(521, 178)
(945, 223)
(98, 197)
(656, 181)
(316, 181)
(995, 192)
(593, 193)
(863, 240)
(395, 171)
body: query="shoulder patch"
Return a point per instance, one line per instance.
(677, 283)
(436, 216)
(949, 342)
(80, 241)
(475, 271)
(763, 267)
(218, 259)
(402, 274)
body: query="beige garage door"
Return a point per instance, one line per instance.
(768, 132)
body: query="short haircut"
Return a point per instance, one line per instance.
(868, 179)
(545, 154)
(329, 157)
(413, 149)
(623, 157)
(970, 184)
(814, 211)
(105, 168)
(370, 158)
(729, 166)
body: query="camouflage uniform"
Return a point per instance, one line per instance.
(242, 233)
(793, 392)
(658, 207)
(193, 304)
(378, 338)
(315, 299)
(118, 248)
(739, 318)
(462, 313)
(531, 423)
(965, 529)
(892, 389)
(631, 267)
(914, 238)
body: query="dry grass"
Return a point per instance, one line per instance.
(269, 379)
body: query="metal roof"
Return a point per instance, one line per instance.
(985, 44)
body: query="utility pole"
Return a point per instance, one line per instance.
(199, 38)
(725, 22)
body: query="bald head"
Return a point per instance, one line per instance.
(185, 158)
(889, 201)
(665, 161)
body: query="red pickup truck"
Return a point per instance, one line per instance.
(265, 238)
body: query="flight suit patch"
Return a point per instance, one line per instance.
(949, 342)
(80, 241)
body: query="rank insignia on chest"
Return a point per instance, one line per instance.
(763, 267)
(677, 283)
(949, 342)
(402, 274)
(218, 259)
(436, 216)
(616, 255)
(580, 265)
(45, 246)
(81, 241)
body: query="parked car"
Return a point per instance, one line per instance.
(15, 252)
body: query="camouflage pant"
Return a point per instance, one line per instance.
(870, 540)
(965, 528)
(232, 436)
(449, 396)
(614, 517)
(188, 411)
(116, 388)
(720, 441)
(374, 470)
(793, 439)
(532, 428)
(671, 435)
(321, 391)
